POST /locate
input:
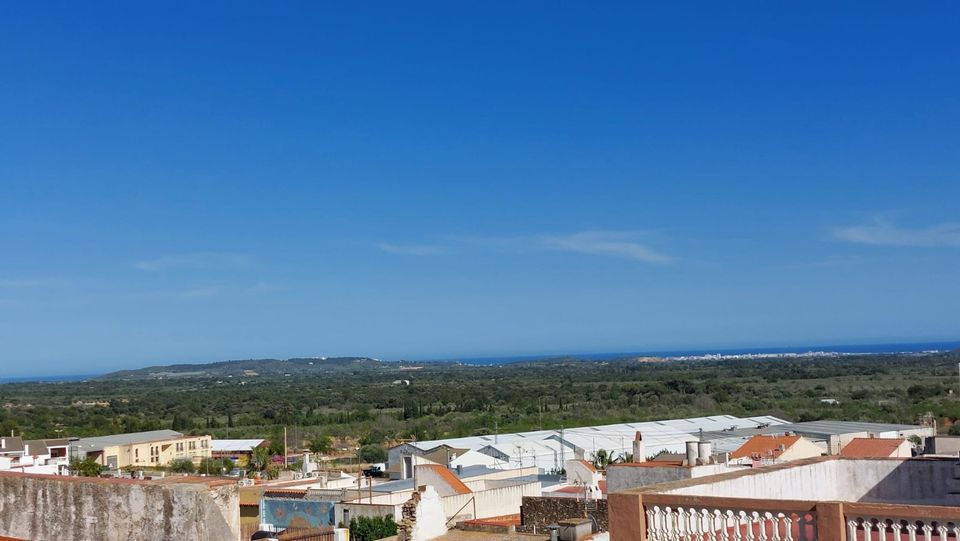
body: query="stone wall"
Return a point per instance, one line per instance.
(42, 508)
(537, 513)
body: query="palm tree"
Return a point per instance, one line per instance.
(601, 458)
(260, 458)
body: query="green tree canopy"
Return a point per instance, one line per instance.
(321, 444)
(182, 465)
(372, 453)
(372, 528)
(85, 467)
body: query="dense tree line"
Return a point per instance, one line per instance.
(448, 400)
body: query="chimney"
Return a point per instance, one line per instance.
(639, 449)
(459, 470)
(704, 450)
(693, 453)
(26, 450)
(3, 443)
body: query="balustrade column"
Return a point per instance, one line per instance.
(831, 525)
(628, 522)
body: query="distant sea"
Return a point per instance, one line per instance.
(46, 379)
(912, 347)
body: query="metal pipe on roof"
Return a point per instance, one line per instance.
(693, 453)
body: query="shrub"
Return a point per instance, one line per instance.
(372, 528)
(372, 453)
(182, 465)
(86, 467)
(216, 466)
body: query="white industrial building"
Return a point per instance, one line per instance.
(549, 449)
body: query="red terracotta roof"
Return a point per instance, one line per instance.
(588, 465)
(871, 447)
(650, 464)
(765, 446)
(504, 520)
(570, 489)
(452, 480)
(574, 489)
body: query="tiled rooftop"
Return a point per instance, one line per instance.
(765, 446)
(871, 447)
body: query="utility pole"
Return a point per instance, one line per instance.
(496, 432)
(284, 447)
(563, 462)
(540, 403)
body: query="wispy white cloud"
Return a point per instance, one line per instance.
(262, 289)
(196, 261)
(212, 291)
(622, 244)
(23, 283)
(618, 244)
(19, 283)
(412, 249)
(884, 233)
(201, 292)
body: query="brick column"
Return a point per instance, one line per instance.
(627, 519)
(831, 525)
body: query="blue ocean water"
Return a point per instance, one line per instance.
(46, 379)
(912, 347)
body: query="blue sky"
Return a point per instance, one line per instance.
(185, 182)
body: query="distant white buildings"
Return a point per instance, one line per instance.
(46, 457)
(142, 449)
(548, 450)
(239, 451)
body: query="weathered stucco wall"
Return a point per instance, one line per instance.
(623, 477)
(50, 508)
(878, 481)
(355, 510)
(489, 503)
(626, 476)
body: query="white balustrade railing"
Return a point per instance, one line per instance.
(894, 529)
(678, 523)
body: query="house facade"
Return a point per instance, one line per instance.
(144, 449)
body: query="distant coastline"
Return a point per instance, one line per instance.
(733, 353)
(47, 379)
(687, 354)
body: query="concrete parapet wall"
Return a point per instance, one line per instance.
(489, 503)
(836, 479)
(52, 508)
(355, 510)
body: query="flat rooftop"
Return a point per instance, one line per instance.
(97, 443)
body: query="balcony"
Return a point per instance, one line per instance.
(833, 499)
